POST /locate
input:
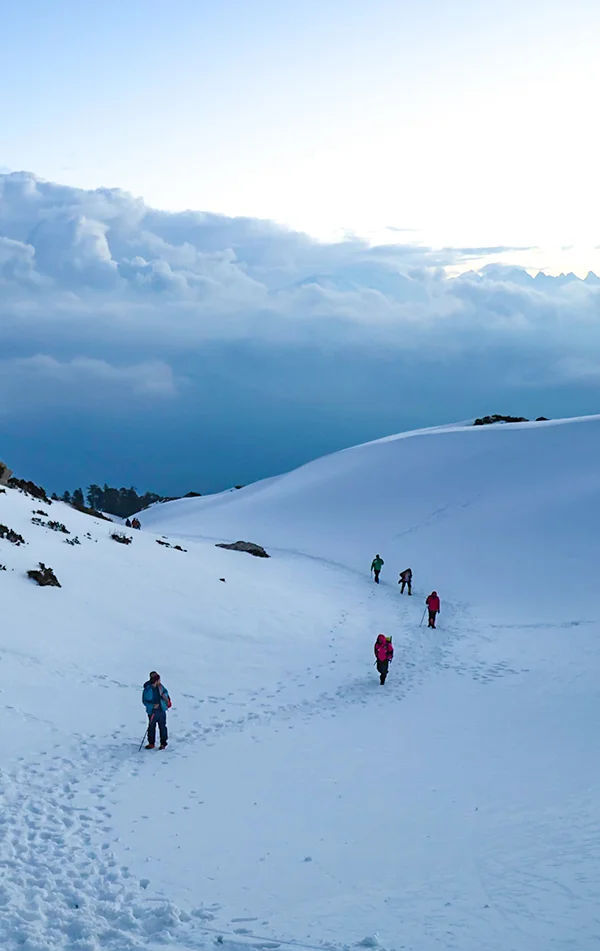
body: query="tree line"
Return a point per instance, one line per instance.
(121, 502)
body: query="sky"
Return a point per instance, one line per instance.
(468, 123)
(236, 235)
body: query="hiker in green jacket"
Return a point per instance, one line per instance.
(376, 566)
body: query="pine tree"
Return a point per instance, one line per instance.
(77, 498)
(94, 496)
(110, 500)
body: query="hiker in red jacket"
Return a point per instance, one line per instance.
(433, 603)
(384, 653)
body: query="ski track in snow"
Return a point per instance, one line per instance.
(62, 887)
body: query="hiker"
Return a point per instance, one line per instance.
(384, 653)
(376, 566)
(135, 523)
(433, 603)
(157, 701)
(406, 580)
(127, 523)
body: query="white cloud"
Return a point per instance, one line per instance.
(99, 274)
(43, 380)
(17, 262)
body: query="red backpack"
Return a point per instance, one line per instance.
(383, 648)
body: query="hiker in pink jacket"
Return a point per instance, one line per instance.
(384, 653)
(433, 603)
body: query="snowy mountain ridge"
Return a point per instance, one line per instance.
(300, 804)
(464, 505)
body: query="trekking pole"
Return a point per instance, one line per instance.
(146, 732)
(423, 618)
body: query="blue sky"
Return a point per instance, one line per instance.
(471, 123)
(452, 146)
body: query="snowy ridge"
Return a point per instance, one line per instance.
(299, 804)
(455, 502)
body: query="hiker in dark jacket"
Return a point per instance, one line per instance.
(406, 580)
(156, 700)
(376, 566)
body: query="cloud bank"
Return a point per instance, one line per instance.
(104, 299)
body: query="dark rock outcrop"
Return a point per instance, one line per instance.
(30, 488)
(168, 545)
(121, 537)
(43, 576)
(248, 547)
(11, 536)
(5, 474)
(496, 418)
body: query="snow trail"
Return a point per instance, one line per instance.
(66, 889)
(62, 886)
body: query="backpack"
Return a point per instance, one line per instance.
(384, 648)
(167, 698)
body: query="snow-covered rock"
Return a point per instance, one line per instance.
(5, 473)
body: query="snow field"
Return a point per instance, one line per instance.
(299, 804)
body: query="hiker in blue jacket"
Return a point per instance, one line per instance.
(155, 698)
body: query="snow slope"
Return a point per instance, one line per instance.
(486, 510)
(300, 805)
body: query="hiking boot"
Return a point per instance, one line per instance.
(150, 746)
(162, 746)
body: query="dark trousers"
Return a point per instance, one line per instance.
(382, 667)
(158, 717)
(405, 584)
(376, 573)
(432, 615)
